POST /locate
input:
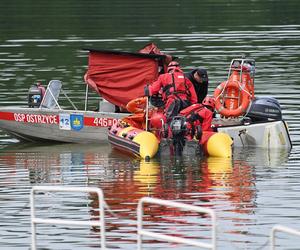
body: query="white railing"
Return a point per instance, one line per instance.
(169, 238)
(279, 228)
(35, 220)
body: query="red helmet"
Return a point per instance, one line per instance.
(157, 120)
(209, 101)
(172, 66)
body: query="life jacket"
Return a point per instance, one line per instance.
(175, 85)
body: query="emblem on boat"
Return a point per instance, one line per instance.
(76, 122)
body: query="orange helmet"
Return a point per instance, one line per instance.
(173, 65)
(209, 101)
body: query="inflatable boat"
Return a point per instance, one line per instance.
(147, 144)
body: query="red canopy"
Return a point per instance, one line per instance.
(121, 76)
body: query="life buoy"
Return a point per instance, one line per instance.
(235, 101)
(137, 105)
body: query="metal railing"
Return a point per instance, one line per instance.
(143, 232)
(140, 214)
(279, 228)
(35, 220)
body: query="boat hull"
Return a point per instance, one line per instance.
(270, 134)
(34, 124)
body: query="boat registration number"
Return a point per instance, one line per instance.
(105, 122)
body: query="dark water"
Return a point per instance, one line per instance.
(256, 190)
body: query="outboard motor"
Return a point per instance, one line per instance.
(178, 128)
(34, 96)
(265, 109)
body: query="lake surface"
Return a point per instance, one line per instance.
(250, 193)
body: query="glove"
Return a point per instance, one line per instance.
(195, 117)
(146, 90)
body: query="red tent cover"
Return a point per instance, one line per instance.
(121, 76)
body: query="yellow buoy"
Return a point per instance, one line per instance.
(219, 145)
(148, 144)
(134, 140)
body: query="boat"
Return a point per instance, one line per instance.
(177, 140)
(107, 71)
(118, 78)
(49, 122)
(243, 118)
(146, 145)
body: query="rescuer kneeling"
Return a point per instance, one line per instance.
(199, 116)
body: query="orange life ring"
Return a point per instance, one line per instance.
(137, 105)
(235, 101)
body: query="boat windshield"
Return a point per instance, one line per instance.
(50, 99)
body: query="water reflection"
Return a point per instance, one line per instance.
(260, 157)
(210, 181)
(229, 186)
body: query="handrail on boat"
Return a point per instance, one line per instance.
(68, 98)
(35, 220)
(284, 229)
(86, 97)
(143, 232)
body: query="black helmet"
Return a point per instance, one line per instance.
(203, 74)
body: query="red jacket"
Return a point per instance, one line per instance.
(207, 116)
(174, 84)
(204, 116)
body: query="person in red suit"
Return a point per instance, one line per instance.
(177, 91)
(200, 114)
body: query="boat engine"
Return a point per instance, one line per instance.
(178, 129)
(34, 96)
(265, 109)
